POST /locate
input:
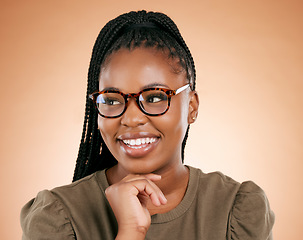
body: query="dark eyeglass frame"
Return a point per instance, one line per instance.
(169, 92)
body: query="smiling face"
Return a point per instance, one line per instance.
(142, 143)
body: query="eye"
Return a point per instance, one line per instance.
(108, 100)
(155, 97)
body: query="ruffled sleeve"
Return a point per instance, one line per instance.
(251, 217)
(45, 218)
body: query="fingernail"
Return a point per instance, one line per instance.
(163, 197)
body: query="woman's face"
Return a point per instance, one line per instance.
(157, 139)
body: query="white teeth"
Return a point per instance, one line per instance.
(138, 141)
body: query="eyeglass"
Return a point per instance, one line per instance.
(151, 101)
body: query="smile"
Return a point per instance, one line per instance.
(138, 146)
(138, 142)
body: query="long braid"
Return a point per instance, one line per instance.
(118, 33)
(169, 24)
(174, 30)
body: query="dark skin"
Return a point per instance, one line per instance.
(151, 178)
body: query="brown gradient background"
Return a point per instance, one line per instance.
(249, 59)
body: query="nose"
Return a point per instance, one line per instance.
(133, 116)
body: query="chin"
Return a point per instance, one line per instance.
(139, 167)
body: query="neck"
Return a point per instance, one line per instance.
(173, 179)
(173, 184)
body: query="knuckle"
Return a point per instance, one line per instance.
(110, 190)
(107, 191)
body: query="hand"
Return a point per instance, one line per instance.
(128, 199)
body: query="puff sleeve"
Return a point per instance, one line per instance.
(45, 218)
(251, 217)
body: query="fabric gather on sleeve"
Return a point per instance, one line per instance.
(251, 217)
(44, 217)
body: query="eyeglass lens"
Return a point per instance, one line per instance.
(151, 102)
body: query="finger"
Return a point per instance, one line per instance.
(147, 187)
(150, 176)
(161, 196)
(153, 177)
(143, 198)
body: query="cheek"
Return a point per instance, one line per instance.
(174, 122)
(106, 127)
(180, 108)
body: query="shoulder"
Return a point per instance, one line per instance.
(44, 218)
(251, 216)
(82, 188)
(215, 184)
(52, 212)
(214, 197)
(242, 207)
(84, 196)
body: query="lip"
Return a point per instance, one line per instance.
(133, 135)
(137, 151)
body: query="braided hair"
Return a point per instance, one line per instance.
(129, 30)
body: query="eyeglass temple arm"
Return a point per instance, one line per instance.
(181, 89)
(91, 96)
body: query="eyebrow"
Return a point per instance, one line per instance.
(144, 87)
(110, 89)
(154, 85)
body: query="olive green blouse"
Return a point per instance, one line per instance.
(214, 207)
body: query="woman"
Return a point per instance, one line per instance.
(130, 181)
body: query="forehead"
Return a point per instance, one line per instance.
(131, 70)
